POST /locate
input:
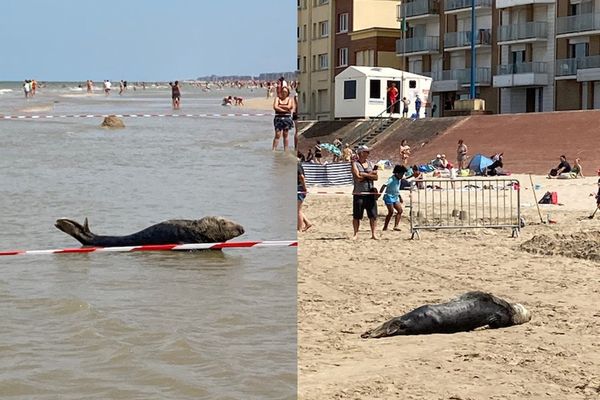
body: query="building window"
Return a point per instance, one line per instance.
(298, 64)
(349, 90)
(321, 2)
(304, 64)
(374, 89)
(298, 33)
(343, 57)
(343, 23)
(412, 84)
(304, 33)
(365, 58)
(324, 29)
(323, 61)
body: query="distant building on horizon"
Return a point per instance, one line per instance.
(265, 76)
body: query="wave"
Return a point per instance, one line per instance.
(2, 91)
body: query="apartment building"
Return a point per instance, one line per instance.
(315, 48)
(530, 55)
(333, 34)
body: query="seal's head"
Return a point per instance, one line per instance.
(218, 229)
(75, 229)
(521, 314)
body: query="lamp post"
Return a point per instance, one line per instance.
(473, 58)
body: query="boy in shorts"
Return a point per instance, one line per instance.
(391, 198)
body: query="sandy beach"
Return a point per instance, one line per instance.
(258, 103)
(347, 287)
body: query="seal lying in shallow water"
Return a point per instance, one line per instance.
(174, 231)
(465, 313)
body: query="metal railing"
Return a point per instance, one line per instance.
(483, 75)
(419, 7)
(463, 39)
(417, 45)
(536, 67)
(458, 4)
(528, 30)
(569, 66)
(465, 204)
(378, 121)
(577, 23)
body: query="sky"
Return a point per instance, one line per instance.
(145, 40)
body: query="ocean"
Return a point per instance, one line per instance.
(146, 325)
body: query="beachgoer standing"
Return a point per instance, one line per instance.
(175, 94)
(88, 85)
(404, 152)
(294, 96)
(33, 87)
(417, 106)
(461, 154)
(364, 174)
(405, 104)
(392, 98)
(121, 87)
(318, 152)
(107, 86)
(391, 198)
(283, 106)
(303, 223)
(26, 88)
(598, 195)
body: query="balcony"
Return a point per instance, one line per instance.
(454, 6)
(452, 80)
(462, 40)
(518, 3)
(417, 45)
(522, 33)
(419, 9)
(583, 68)
(575, 25)
(521, 74)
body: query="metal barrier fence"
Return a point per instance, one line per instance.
(465, 204)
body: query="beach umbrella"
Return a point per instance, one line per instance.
(331, 148)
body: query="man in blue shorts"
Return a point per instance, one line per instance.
(391, 198)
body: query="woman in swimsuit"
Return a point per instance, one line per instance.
(175, 94)
(283, 106)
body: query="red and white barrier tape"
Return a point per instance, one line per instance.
(161, 247)
(130, 115)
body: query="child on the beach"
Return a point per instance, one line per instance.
(391, 198)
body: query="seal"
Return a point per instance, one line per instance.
(175, 231)
(465, 313)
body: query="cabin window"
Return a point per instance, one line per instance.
(349, 90)
(412, 84)
(374, 89)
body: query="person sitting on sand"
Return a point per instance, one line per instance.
(417, 175)
(310, 156)
(239, 101)
(391, 198)
(227, 101)
(577, 169)
(562, 168)
(496, 166)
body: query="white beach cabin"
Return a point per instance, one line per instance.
(361, 92)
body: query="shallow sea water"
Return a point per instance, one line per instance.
(163, 325)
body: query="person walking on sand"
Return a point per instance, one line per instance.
(303, 223)
(364, 174)
(318, 152)
(175, 94)
(391, 198)
(461, 154)
(283, 106)
(404, 152)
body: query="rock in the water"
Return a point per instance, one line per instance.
(113, 122)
